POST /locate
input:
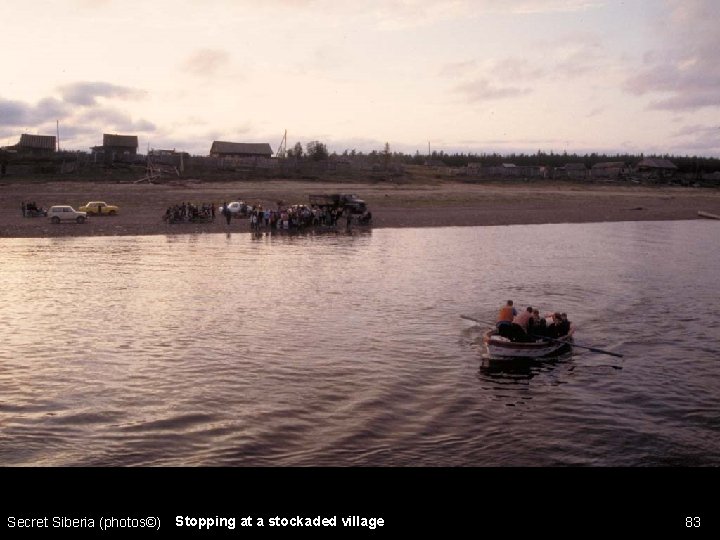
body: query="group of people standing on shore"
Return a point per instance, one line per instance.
(285, 217)
(288, 217)
(299, 216)
(189, 212)
(528, 325)
(31, 209)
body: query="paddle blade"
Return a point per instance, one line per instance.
(617, 355)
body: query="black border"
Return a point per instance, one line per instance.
(447, 501)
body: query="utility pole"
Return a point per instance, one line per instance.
(282, 149)
(57, 124)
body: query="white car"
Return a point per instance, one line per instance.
(237, 208)
(65, 213)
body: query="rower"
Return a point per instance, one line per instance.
(520, 325)
(505, 318)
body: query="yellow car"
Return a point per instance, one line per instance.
(99, 208)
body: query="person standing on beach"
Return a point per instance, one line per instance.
(226, 211)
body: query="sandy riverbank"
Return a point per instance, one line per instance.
(392, 205)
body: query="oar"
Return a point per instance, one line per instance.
(476, 320)
(593, 349)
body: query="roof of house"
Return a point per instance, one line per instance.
(123, 141)
(45, 142)
(657, 163)
(222, 147)
(609, 165)
(575, 166)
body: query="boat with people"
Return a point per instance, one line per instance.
(526, 335)
(498, 346)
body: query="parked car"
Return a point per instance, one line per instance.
(237, 208)
(65, 213)
(99, 208)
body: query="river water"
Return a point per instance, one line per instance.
(348, 349)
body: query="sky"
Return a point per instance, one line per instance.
(474, 76)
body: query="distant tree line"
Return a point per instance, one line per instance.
(316, 150)
(685, 164)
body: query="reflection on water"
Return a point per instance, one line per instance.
(347, 348)
(516, 368)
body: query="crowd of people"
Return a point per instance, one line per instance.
(528, 325)
(299, 216)
(31, 209)
(190, 213)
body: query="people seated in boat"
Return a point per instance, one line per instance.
(565, 325)
(519, 327)
(504, 319)
(553, 328)
(537, 326)
(559, 327)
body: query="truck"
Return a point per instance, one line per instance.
(343, 201)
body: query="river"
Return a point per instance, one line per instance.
(348, 349)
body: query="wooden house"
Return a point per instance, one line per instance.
(611, 170)
(656, 168)
(576, 171)
(116, 147)
(36, 145)
(223, 149)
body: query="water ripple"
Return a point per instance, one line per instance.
(234, 350)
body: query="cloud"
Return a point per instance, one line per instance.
(400, 14)
(483, 90)
(18, 113)
(80, 127)
(699, 131)
(93, 4)
(108, 119)
(86, 93)
(206, 62)
(684, 73)
(514, 69)
(531, 7)
(457, 69)
(14, 113)
(571, 58)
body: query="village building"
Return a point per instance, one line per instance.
(611, 170)
(224, 149)
(576, 171)
(511, 170)
(115, 146)
(656, 168)
(36, 145)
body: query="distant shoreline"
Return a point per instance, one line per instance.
(393, 205)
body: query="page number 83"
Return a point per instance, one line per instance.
(692, 521)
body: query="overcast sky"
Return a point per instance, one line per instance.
(464, 75)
